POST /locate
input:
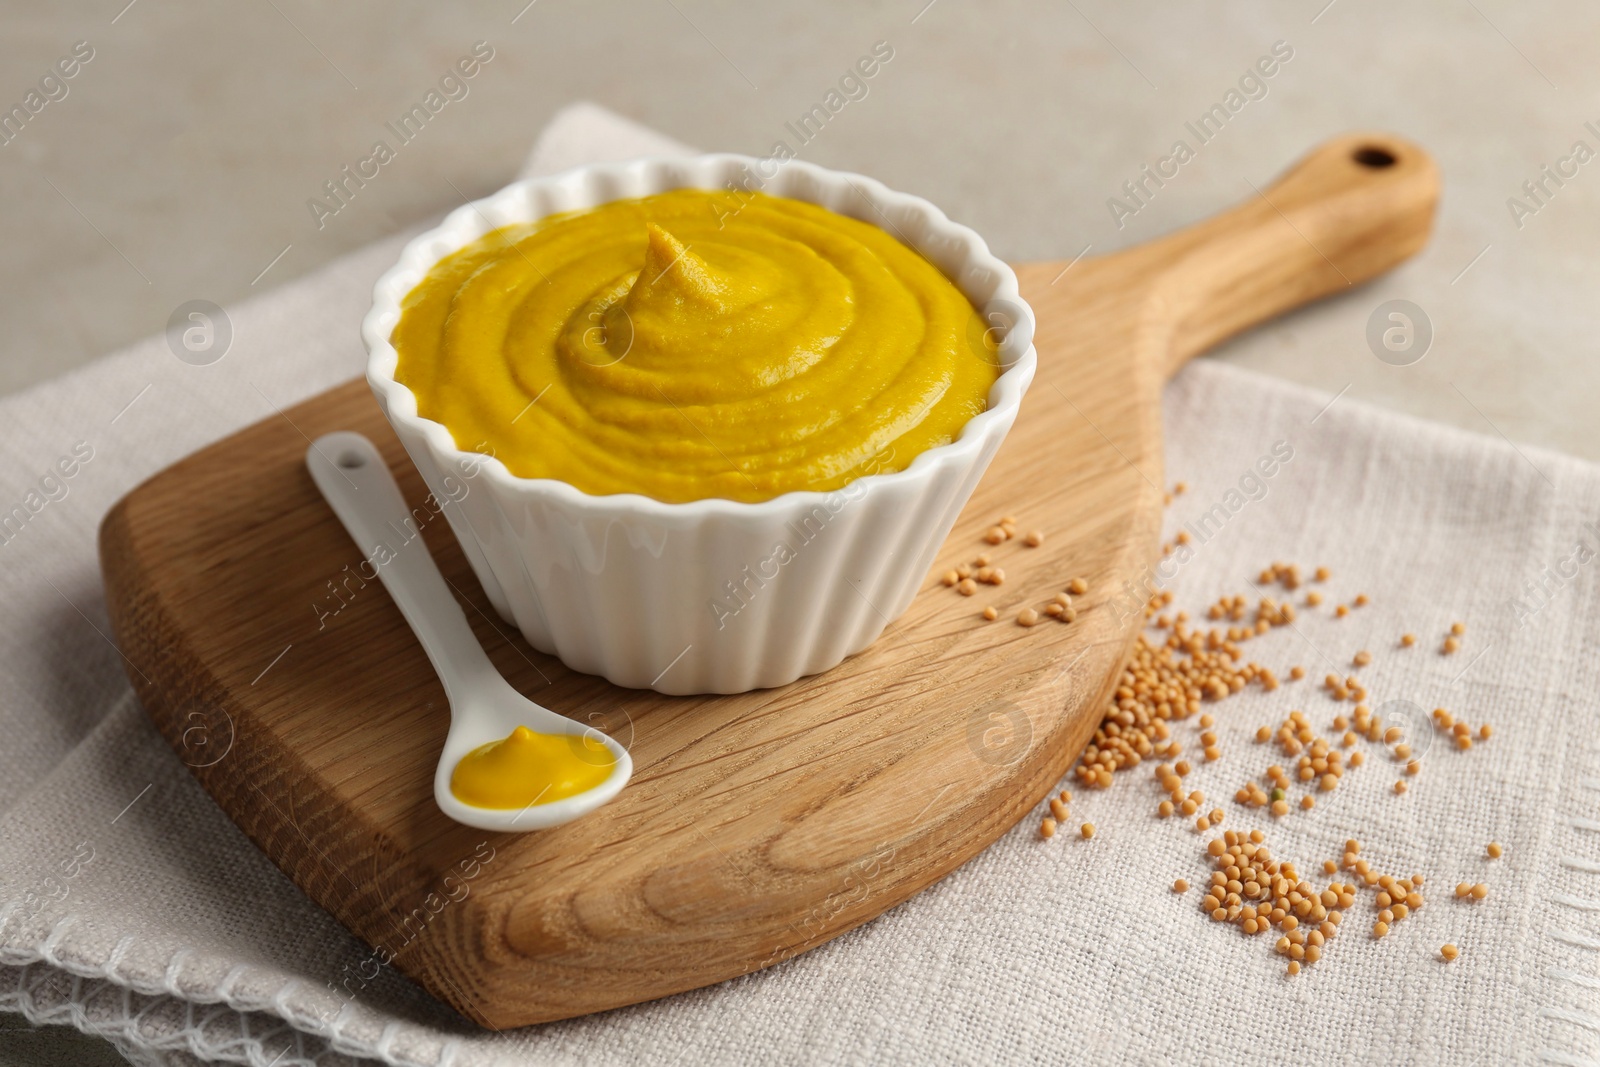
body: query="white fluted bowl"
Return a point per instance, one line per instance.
(699, 597)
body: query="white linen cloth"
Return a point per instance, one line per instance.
(179, 940)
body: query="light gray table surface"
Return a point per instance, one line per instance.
(180, 161)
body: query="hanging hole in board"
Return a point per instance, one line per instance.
(1374, 157)
(351, 460)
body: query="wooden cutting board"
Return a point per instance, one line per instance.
(756, 826)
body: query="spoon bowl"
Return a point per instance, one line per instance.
(490, 713)
(357, 485)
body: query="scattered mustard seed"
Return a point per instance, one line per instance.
(1494, 850)
(1087, 830)
(1450, 645)
(1449, 952)
(1180, 886)
(1458, 628)
(1027, 617)
(1480, 891)
(1077, 587)
(967, 587)
(1034, 539)
(1047, 827)
(990, 614)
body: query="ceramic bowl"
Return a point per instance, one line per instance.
(710, 596)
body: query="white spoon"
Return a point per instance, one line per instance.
(483, 707)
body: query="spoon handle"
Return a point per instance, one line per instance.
(356, 482)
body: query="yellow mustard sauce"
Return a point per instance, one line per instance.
(695, 344)
(528, 768)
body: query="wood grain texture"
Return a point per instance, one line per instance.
(756, 826)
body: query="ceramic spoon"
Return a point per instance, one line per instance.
(483, 707)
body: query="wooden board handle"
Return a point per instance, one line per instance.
(1351, 209)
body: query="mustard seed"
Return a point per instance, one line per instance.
(1297, 673)
(1087, 830)
(1485, 731)
(1361, 600)
(1494, 850)
(950, 578)
(1033, 539)
(1341, 611)
(1458, 628)
(967, 587)
(1058, 810)
(1400, 787)
(1180, 886)
(994, 535)
(1449, 952)
(1306, 803)
(1027, 617)
(1450, 645)
(1164, 809)
(1323, 574)
(1407, 640)
(990, 614)
(1463, 889)
(1380, 929)
(1047, 827)
(1480, 891)
(1077, 587)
